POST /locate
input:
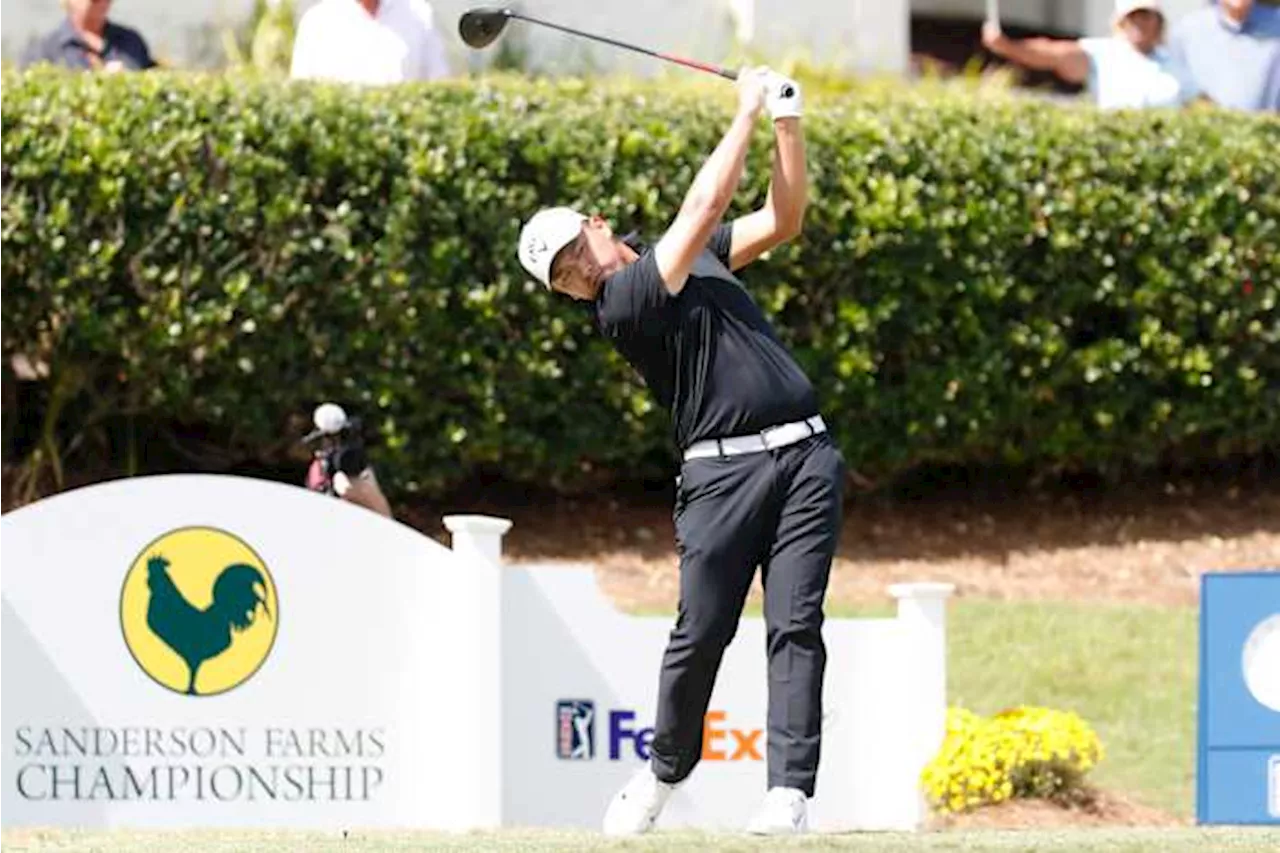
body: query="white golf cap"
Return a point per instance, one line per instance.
(1125, 8)
(544, 235)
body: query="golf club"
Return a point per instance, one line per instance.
(479, 27)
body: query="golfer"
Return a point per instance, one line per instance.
(761, 481)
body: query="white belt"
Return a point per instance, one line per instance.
(769, 438)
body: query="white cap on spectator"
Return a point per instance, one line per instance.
(544, 235)
(1125, 8)
(329, 418)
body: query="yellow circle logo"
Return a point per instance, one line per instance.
(198, 611)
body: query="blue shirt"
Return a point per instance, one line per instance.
(66, 48)
(1234, 65)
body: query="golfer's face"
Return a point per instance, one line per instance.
(570, 269)
(582, 266)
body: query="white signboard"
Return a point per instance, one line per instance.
(219, 651)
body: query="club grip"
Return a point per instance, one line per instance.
(701, 66)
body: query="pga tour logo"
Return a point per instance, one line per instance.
(575, 729)
(576, 735)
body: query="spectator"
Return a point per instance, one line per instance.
(86, 40)
(1127, 69)
(339, 464)
(1232, 49)
(369, 41)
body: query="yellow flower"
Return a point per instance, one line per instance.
(1022, 751)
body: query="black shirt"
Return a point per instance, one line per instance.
(708, 353)
(66, 48)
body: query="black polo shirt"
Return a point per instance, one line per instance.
(708, 354)
(66, 48)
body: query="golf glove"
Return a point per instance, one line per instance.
(783, 97)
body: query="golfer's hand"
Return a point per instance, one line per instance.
(751, 90)
(783, 97)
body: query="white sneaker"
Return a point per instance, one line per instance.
(634, 809)
(785, 812)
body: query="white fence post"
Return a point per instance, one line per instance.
(477, 536)
(922, 613)
(477, 540)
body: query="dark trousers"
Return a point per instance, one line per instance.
(780, 510)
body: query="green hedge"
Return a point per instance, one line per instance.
(981, 279)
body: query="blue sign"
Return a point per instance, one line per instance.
(1238, 757)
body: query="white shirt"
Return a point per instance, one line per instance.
(339, 40)
(1122, 77)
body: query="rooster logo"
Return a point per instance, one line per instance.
(198, 611)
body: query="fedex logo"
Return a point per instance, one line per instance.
(575, 735)
(720, 742)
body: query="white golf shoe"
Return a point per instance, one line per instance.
(785, 812)
(635, 808)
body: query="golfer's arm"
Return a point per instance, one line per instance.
(782, 216)
(704, 205)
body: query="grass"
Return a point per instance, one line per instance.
(1109, 840)
(1129, 671)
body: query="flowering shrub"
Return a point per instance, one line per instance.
(1024, 752)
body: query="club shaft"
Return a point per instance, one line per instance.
(678, 60)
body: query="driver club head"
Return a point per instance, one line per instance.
(479, 27)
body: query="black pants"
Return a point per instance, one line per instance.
(780, 510)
